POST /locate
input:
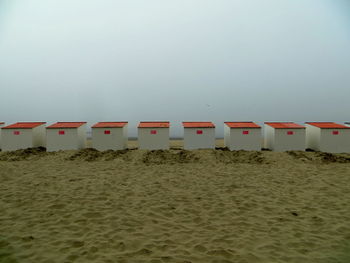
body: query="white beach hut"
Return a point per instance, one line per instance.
(110, 136)
(328, 137)
(153, 135)
(284, 136)
(23, 135)
(2, 124)
(66, 136)
(199, 135)
(242, 136)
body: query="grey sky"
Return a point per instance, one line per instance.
(98, 60)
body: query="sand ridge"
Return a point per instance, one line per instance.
(174, 206)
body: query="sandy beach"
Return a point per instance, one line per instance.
(174, 206)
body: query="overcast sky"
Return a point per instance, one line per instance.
(99, 60)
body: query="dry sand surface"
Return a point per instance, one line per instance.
(174, 206)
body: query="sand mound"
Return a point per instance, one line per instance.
(21, 155)
(197, 206)
(91, 155)
(146, 157)
(302, 156)
(169, 157)
(175, 156)
(226, 156)
(333, 158)
(88, 154)
(111, 155)
(320, 157)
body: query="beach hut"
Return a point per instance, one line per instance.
(110, 136)
(328, 137)
(153, 135)
(23, 135)
(242, 136)
(199, 135)
(284, 136)
(2, 124)
(66, 136)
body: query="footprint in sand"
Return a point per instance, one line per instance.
(57, 206)
(93, 249)
(72, 257)
(220, 252)
(120, 246)
(143, 251)
(92, 214)
(76, 243)
(200, 248)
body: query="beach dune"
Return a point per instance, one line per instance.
(174, 206)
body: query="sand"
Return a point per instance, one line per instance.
(174, 206)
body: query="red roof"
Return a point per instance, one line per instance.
(198, 124)
(328, 125)
(244, 124)
(157, 124)
(24, 125)
(285, 125)
(64, 125)
(2, 122)
(110, 124)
